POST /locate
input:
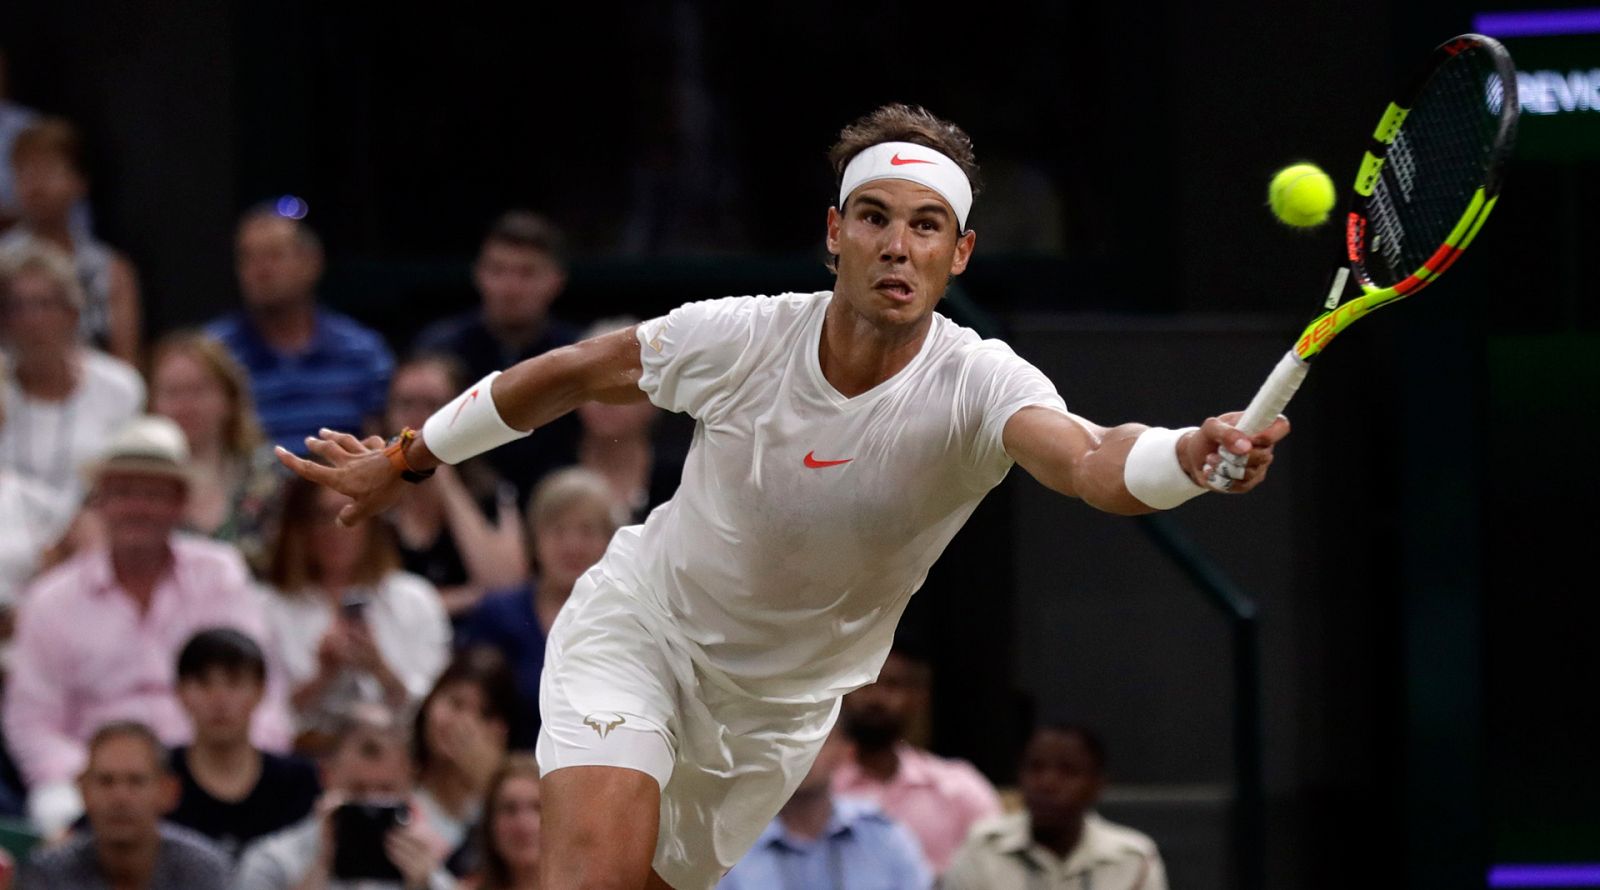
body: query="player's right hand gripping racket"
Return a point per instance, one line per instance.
(1426, 184)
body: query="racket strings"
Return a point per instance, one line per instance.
(1443, 153)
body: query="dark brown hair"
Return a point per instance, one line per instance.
(291, 571)
(902, 123)
(496, 871)
(481, 666)
(50, 137)
(528, 230)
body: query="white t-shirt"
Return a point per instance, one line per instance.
(50, 441)
(805, 520)
(408, 623)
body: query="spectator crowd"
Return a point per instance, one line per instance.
(206, 682)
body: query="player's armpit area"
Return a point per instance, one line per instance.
(1074, 456)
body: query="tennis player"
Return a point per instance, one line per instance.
(842, 439)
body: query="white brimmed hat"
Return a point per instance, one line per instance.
(150, 445)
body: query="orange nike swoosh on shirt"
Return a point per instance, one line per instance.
(812, 462)
(898, 161)
(463, 406)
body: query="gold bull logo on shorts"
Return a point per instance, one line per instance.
(603, 723)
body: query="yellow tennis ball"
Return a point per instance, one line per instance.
(1301, 195)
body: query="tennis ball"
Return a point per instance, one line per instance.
(1301, 195)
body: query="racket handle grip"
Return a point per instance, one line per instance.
(1269, 402)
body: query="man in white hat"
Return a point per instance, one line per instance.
(97, 637)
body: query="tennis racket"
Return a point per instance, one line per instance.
(1427, 182)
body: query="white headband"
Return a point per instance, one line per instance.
(916, 163)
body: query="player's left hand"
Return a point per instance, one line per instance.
(1200, 450)
(355, 467)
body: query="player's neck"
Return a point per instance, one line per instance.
(856, 354)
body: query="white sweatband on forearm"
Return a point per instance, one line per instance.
(1152, 472)
(468, 425)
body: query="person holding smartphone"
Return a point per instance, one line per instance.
(365, 833)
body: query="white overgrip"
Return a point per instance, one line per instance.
(1269, 402)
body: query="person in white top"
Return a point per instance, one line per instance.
(842, 438)
(63, 398)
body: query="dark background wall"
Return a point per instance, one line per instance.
(1427, 616)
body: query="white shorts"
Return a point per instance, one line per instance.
(619, 690)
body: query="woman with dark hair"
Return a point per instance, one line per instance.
(461, 734)
(350, 626)
(512, 817)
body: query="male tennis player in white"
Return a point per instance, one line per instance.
(842, 439)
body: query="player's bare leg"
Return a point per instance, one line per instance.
(599, 829)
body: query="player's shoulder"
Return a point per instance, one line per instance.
(754, 306)
(954, 342)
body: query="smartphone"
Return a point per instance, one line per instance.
(359, 828)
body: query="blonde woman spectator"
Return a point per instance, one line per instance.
(47, 166)
(64, 400)
(350, 627)
(513, 818)
(443, 529)
(237, 488)
(570, 522)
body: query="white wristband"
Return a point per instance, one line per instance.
(1152, 472)
(468, 425)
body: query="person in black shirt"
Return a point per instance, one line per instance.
(520, 271)
(231, 791)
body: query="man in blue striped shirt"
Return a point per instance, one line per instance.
(823, 842)
(309, 367)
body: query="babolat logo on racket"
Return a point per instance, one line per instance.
(1355, 234)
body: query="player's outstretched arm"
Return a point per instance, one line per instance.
(1081, 459)
(528, 395)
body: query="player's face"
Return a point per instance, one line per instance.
(220, 703)
(1059, 778)
(898, 243)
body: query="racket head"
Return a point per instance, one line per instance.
(1430, 177)
(1434, 167)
